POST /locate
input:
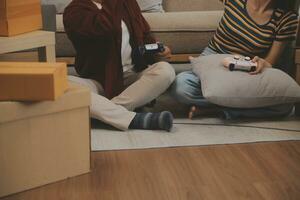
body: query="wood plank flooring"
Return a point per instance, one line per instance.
(268, 171)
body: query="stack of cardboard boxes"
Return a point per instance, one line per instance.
(44, 142)
(41, 140)
(44, 122)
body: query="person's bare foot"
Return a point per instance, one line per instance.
(193, 111)
(196, 111)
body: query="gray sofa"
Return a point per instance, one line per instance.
(186, 26)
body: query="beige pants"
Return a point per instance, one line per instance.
(141, 89)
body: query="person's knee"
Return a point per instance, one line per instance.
(180, 87)
(93, 85)
(165, 71)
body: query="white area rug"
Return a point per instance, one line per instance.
(198, 132)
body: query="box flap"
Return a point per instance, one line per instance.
(75, 97)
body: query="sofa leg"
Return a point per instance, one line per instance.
(297, 109)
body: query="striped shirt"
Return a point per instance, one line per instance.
(238, 33)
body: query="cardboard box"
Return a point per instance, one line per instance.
(19, 16)
(21, 81)
(44, 142)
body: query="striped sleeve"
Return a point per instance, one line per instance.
(223, 1)
(287, 27)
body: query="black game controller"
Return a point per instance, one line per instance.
(151, 48)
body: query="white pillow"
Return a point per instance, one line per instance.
(240, 89)
(150, 5)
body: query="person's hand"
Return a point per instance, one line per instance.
(166, 55)
(261, 65)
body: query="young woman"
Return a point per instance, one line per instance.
(260, 29)
(106, 35)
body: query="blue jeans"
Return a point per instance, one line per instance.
(187, 90)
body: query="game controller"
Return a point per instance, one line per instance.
(239, 63)
(151, 48)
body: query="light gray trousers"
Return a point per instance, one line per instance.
(141, 88)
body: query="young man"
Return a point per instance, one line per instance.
(106, 35)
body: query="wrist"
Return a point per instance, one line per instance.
(269, 65)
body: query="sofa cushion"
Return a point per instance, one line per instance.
(174, 21)
(59, 23)
(184, 21)
(64, 47)
(150, 5)
(145, 5)
(242, 90)
(191, 5)
(185, 42)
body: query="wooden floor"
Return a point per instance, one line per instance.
(251, 171)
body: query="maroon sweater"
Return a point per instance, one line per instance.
(97, 37)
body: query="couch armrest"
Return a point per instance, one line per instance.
(49, 17)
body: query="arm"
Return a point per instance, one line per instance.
(86, 20)
(149, 38)
(272, 57)
(286, 31)
(275, 52)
